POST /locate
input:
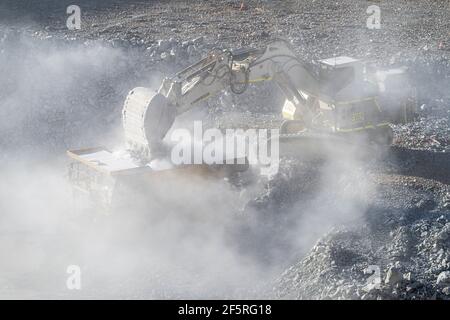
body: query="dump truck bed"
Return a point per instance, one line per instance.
(101, 174)
(102, 160)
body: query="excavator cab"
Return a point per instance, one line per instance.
(346, 104)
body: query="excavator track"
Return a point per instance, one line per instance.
(309, 145)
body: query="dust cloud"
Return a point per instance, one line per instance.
(191, 238)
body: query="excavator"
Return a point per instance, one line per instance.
(329, 102)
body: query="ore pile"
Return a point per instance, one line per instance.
(416, 265)
(406, 237)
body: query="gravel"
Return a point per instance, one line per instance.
(399, 229)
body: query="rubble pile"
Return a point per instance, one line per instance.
(399, 253)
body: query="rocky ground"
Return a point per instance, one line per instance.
(323, 225)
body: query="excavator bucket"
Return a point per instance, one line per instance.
(147, 117)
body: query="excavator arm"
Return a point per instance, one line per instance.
(148, 115)
(223, 70)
